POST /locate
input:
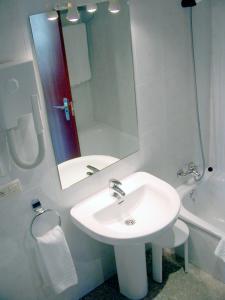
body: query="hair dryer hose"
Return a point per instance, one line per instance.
(15, 156)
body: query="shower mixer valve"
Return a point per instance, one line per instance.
(190, 169)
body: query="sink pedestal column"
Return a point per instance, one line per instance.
(131, 270)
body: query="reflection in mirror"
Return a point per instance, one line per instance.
(87, 76)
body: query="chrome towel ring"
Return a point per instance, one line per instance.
(39, 210)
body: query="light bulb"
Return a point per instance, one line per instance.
(52, 15)
(91, 8)
(72, 14)
(114, 6)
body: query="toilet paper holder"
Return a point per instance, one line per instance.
(39, 210)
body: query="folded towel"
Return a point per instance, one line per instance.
(76, 45)
(57, 260)
(220, 249)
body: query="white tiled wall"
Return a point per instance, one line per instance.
(167, 130)
(164, 82)
(202, 27)
(218, 76)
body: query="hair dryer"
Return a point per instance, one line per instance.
(18, 98)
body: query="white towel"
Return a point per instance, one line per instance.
(220, 249)
(57, 260)
(76, 45)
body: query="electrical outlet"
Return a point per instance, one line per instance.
(12, 187)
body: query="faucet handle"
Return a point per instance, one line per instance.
(113, 182)
(192, 166)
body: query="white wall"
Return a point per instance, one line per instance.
(218, 90)
(164, 83)
(202, 29)
(167, 130)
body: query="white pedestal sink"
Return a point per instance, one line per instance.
(131, 270)
(151, 206)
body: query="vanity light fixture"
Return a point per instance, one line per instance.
(52, 15)
(72, 14)
(114, 6)
(92, 8)
(61, 5)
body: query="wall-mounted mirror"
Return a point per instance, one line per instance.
(86, 69)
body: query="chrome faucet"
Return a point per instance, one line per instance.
(191, 169)
(93, 170)
(116, 191)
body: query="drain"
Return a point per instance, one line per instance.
(130, 222)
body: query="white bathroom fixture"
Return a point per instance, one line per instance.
(72, 14)
(114, 6)
(76, 169)
(171, 238)
(19, 101)
(149, 207)
(52, 15)
(92, 7)
(205, 221)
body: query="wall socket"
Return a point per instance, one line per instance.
(12, 187)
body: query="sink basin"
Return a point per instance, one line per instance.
(150, 207)
(74, 170)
